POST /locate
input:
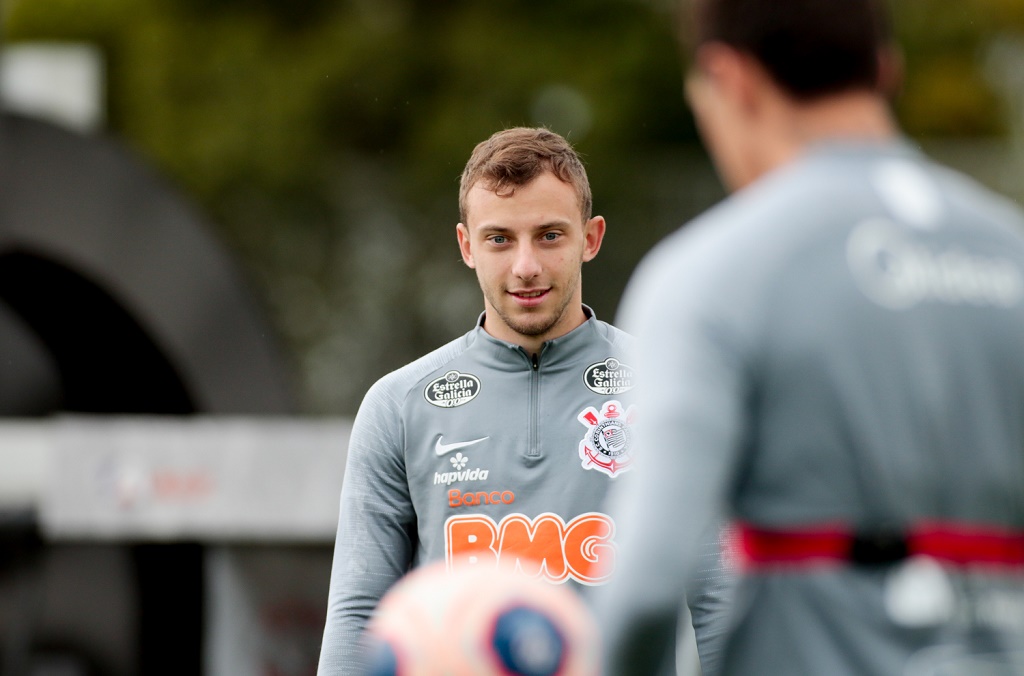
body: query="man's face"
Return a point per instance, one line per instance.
(527, 249)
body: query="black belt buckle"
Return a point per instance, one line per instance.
(879, 548)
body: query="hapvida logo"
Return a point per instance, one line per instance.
(459, 462)
(448, 478)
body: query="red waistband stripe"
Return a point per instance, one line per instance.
(952, 543)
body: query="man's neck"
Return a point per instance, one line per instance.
(857, 116)
(533, 345)
(853, 116)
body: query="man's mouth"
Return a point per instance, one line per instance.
(529, 298)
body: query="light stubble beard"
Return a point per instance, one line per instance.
(534, 329)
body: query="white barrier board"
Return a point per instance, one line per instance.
(198, 478)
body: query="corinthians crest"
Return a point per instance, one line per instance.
(609, 438)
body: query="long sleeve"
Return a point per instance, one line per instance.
(709, 597)
(376, 529)
(691, 395)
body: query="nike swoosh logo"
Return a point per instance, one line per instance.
(442, 449)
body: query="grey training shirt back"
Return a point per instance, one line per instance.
(842, 342)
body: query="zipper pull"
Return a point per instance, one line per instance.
(535, 361)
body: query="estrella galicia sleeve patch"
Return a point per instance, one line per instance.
(610, 376)
(452, 389)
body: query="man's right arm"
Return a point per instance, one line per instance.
(376, 529)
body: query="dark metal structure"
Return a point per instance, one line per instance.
(114, 299)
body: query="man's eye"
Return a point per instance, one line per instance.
(499, 239)
(551, 236)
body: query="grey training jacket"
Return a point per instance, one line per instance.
(476, 448)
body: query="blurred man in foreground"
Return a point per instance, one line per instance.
(834, 357)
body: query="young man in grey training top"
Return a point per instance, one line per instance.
(834, 357)
(501, 444)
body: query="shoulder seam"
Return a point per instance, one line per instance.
(406, 378)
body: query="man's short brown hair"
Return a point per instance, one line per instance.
(514, 157)
(811, 48)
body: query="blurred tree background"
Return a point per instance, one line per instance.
(325, 138)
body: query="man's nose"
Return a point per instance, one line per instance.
(526, 264)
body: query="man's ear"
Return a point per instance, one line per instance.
(593, 235)
(462, 234)
(890, 71)
(733, 75)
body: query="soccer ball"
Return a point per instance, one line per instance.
(481, 622)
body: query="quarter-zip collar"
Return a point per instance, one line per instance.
(502, 355)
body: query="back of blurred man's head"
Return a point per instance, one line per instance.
(811, 48)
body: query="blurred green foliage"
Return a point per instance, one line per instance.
(946, 92)
(222, 92)
(325, 137)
